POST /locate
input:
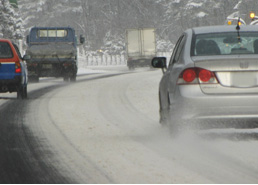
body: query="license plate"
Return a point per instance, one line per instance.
(47, 66)
(244, 79)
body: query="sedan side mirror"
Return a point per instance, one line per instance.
(159, 62)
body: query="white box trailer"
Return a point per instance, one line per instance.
(141, 47)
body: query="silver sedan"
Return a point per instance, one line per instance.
(212, 77)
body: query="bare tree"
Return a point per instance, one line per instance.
(103, 21)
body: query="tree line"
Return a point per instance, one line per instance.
(103, 22)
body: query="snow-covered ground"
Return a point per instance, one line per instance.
(101, 69)
(107, 131)
(104, 129)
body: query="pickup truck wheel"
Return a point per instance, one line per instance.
(131, 67)
(73, 78)
(66, 79)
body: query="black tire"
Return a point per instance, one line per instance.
(22, 92)
(19, 96)
(163, 118)
(163, 113)
(25, 92)
(131, 67)
(73, 78)
(66, 79)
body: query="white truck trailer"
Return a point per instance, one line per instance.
(141, 47)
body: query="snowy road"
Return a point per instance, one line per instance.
(104, 129)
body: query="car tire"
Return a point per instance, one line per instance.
(131, 67)
(22, 92)
(25, 92)
(73, 78)
(19, 93)
(66, 79)
(164, 113)
(163, 118)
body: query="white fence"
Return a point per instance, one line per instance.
(108, 60)
(164, 54)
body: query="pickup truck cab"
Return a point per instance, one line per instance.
(13, 70)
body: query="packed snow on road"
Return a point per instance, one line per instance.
(105, 129)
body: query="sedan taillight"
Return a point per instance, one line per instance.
(196, 76)
(205, 75)
(189, 75)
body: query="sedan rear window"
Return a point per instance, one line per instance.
(225, 44)
(5, 50)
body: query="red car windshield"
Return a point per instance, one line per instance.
(5, 50)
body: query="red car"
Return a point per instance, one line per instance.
(13, 69)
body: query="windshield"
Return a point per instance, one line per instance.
(52, 33)
(225, 44)
(5, 50)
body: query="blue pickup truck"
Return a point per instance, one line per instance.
(53, 53)
(13, 70)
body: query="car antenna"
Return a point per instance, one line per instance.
(238, 28)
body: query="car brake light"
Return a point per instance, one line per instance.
(204, 75)
(189, 75)
(17, 68)
(197, 76)
(66, 64)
